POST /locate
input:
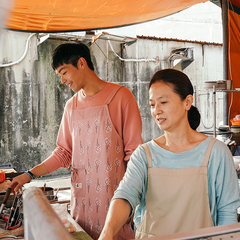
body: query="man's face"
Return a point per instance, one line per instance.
(71, 76)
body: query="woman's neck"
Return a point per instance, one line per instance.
(181, 141)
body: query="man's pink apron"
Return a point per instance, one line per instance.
(97, 166)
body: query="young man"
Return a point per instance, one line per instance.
(100, 128)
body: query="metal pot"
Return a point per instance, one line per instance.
(48, 191)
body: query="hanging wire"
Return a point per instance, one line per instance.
(155, 60)
(23, 56)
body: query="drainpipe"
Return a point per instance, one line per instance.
(225, 58)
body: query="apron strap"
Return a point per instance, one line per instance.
(112, 94)
(115, 87)
(75, 97)
(148, 154)
(205, 161)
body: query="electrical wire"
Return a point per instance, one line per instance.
(178, 54)
(23, 56)
(132, 60)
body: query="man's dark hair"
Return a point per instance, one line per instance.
(69, 53)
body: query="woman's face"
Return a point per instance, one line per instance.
(167, 108)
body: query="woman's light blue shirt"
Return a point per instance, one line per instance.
(222, 178)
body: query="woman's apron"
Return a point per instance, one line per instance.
(97, 166)
(177, 199)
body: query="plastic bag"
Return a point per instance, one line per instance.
(61, 211)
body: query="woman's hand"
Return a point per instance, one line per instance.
(117, 215)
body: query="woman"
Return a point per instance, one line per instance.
(181, 181)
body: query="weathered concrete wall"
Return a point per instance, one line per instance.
(32, 100)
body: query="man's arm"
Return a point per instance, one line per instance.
(126, 118)
(118, 214)
(20, 180)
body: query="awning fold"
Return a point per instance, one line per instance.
(75, 15)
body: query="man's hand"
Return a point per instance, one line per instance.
(19, 181)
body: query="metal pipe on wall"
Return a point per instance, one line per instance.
(225, 57)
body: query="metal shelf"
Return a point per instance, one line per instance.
(217, 132)
(215, 90)
(222, 90)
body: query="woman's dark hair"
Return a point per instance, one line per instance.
(69, 53)
(182, 86)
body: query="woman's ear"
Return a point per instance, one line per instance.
(189, 101)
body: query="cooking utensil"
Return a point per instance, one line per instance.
(17, 225)
(235, 129)
(55, 197)
(5, 199)
(10, 176)
(48, 191)
(237, 117)
(10, 198)
(44, 187)
(2, 177)
(20, 215)
(223, 127)
(235, 122)
(12, 209)
(15, 215)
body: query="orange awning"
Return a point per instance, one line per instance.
(234, 55)
(73, 15)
